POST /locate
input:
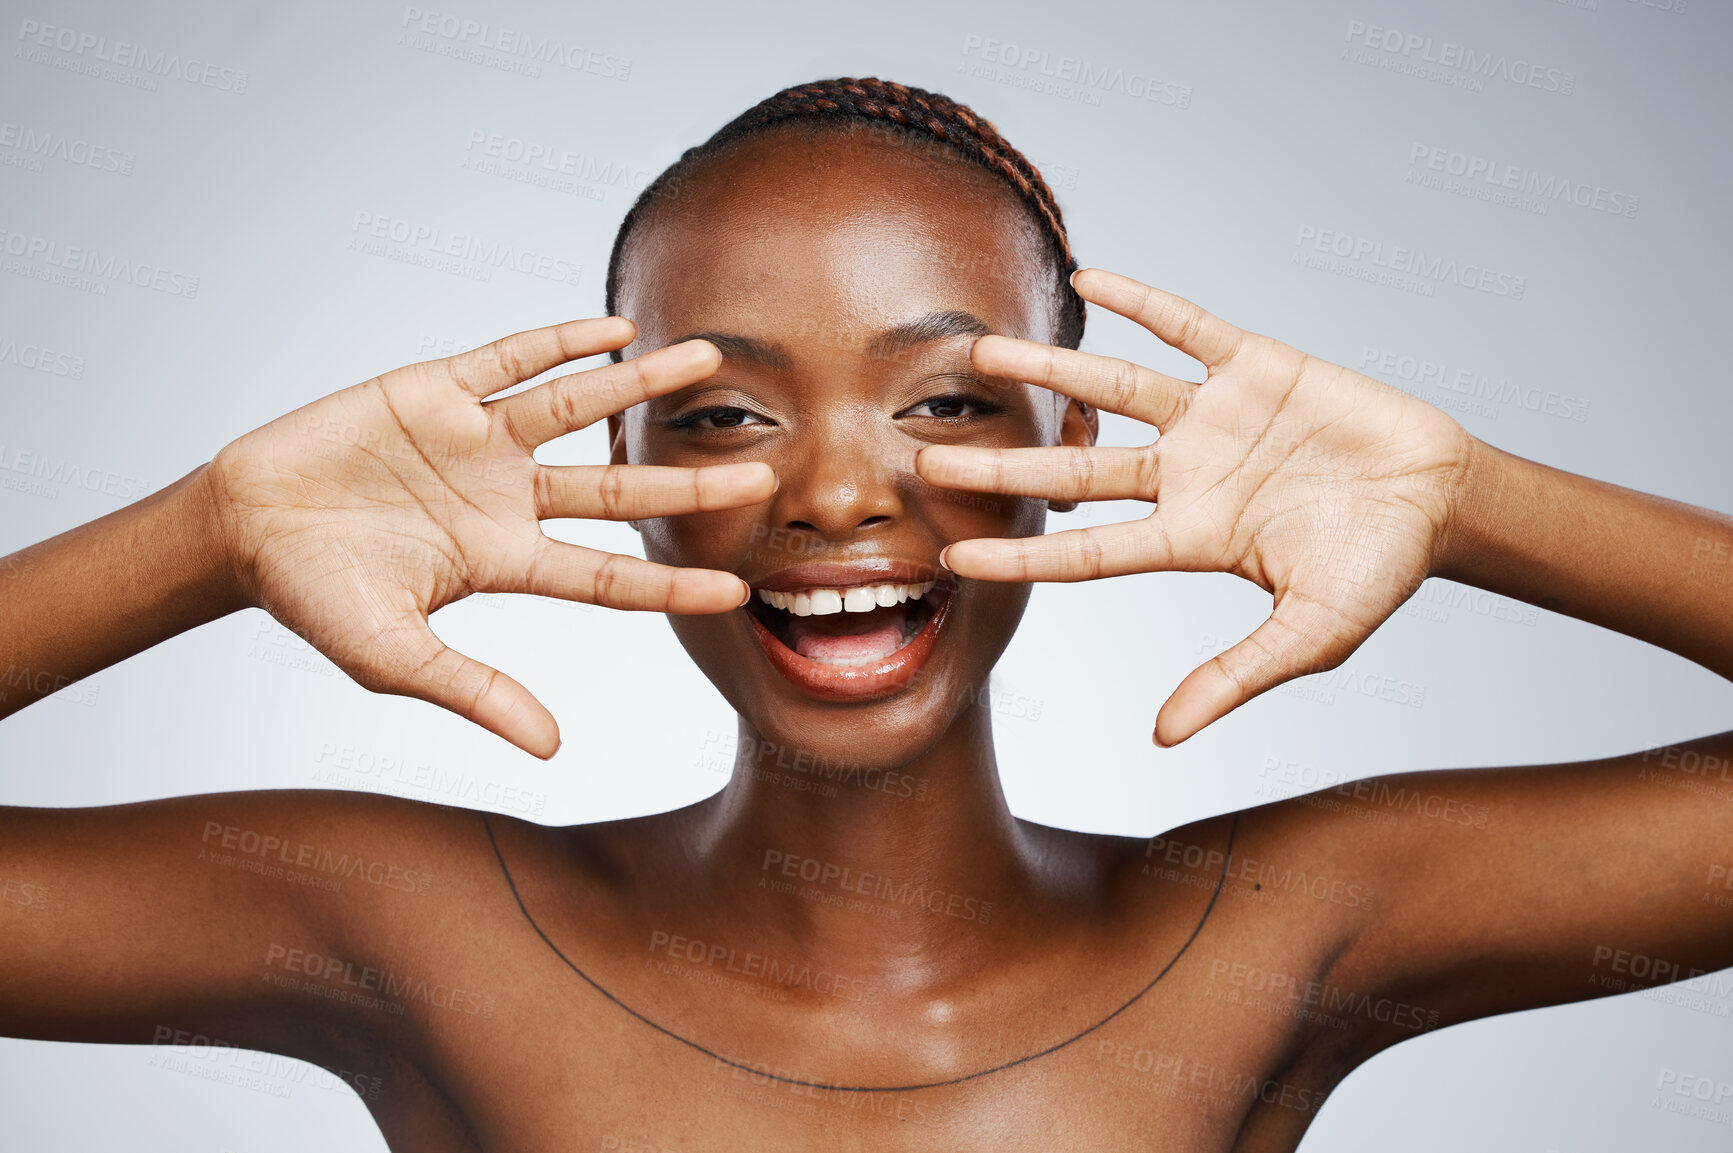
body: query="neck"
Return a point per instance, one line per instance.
(874, 862)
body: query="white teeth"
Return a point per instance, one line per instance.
(818, 602)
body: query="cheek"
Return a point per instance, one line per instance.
(685, 541)
(961, 514)
(719, 540)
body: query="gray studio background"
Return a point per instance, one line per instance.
(1237, 139)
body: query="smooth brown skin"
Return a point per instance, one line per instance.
(821, 249)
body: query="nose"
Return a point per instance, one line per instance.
(840, 482)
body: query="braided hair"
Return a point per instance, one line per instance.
(918, 115)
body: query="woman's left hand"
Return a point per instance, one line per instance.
(1329, 489)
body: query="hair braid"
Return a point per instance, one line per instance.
(954, 126)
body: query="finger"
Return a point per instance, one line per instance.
(629, 491)
(1077, 554)
(1052, 473)
(514, 359)
(1301, 636)
(411, 661)
(538, 415)
(1175, 319)
(574, 573)
(1104, 381)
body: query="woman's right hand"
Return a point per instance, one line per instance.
(352, 519)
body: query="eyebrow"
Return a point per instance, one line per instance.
(898, 338)
(933, 326)
(732, 347)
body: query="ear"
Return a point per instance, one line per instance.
(617, 450)
(1078, 428)
(616, 440)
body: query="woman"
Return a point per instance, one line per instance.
(846, 396)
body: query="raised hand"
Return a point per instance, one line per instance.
(1329, 489)
(352, 519)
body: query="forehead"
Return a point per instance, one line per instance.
(795, 236)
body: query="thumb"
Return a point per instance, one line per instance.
(409, 660)
(1301, 636)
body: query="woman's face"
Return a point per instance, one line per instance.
(844, 281)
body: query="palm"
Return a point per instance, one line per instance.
(1309, 484)
(354, 518)
(333, 533)
(1327, 488)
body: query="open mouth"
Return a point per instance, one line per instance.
(852, 641)
(846, 628)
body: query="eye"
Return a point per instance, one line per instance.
(955, 408)
(715, 419)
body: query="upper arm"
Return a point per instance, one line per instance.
(1506, 889)
(132, 923)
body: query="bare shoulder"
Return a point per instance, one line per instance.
(341, 856)
(1260, 855)
(1513, 887)
(213, 906)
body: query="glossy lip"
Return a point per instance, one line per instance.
(857, 682)
(833, 575)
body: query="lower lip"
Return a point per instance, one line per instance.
(855, 682)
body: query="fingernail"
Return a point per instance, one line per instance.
(942, 553)
(746, 597)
